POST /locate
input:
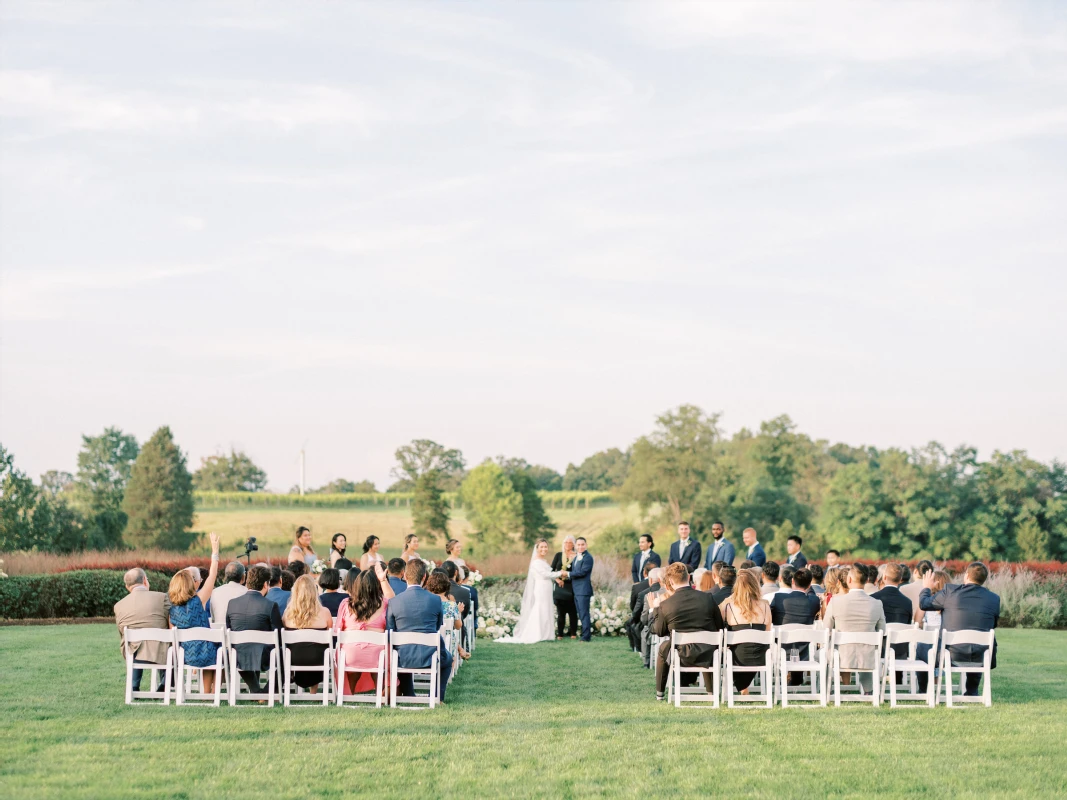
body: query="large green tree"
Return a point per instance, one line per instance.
(235, 472)
(493, 508)
(425, 455)
(159, 497)
(536, 523)
(601, 472)
(104, 466)
(429, 509)
(18, 496)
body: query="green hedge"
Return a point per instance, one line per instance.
(84, 593)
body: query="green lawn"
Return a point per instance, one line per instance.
(557, 720)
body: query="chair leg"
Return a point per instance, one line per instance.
(783, 679)
(837, 680)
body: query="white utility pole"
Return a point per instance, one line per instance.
(302, 471)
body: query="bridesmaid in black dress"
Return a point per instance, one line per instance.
(746, 610)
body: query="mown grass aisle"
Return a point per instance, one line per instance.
(559, 719)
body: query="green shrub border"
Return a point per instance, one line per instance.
(82, 593)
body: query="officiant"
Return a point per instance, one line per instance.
(562, 594)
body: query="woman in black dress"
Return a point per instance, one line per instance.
(305, 612)
(746, 610)
(563, 594)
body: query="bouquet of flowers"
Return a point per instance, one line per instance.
(319, 565)
(430, 565)
(475, 576)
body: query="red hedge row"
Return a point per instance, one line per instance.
(168, 566)
(1037, 567)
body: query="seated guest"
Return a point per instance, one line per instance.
(799, 606)
(305, 612)
(638, 588)
(396, 574)
(187, 611)
(833, 586)
(697, 577)
(633, 628)
(897, 607)
(143, 608)
(439, 584)
(833, 558)
(644, 555)
(234, 587)
(461, 594)
(746, 564)
(913, 589)
(684, 611)
(277, 593)
(785, 580)
(298, 568)
(331, 598)
(856, 612)
(870, 585)
(639, 616)
(929, 621)
(966, 607)
(468, 584)
(770, 578)
(348, 584)
(727, 579)
(754, 553)
(252, 611)
(816, 578)
(747, 610)
(417, 611)
(707, 581)
(365, 610)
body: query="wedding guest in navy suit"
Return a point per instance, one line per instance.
(970, 607)
(396, 575)
(417, 611)
(796, 558)
(644, 555)
(685, 550)
(720, 548)
(580, 572)
(755, 549)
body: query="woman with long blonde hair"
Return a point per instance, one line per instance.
(746, 610)
(305, 612)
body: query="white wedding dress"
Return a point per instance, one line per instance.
(537, 614)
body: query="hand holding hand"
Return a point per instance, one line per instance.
(214, 537)
(564, 574)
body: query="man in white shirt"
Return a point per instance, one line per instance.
(234, 587)
(686, 550)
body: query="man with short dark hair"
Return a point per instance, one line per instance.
(785, 580)
(276, 593)
(582, 585)
(418, 611)
(966, 607)
(748, 564)
(684, 611)
(252, 611)
(461, 593)
(755, 552)
(770, 578)
(833, 558)
(288, 579)
(897, 607)
(816, 578)
(645, 555)
(686, 550)
(796, 558)
(795, 606)
(727, 579)
(234, 587)
(396, 575)
(720, 549)
(143, 608)
(298, 568)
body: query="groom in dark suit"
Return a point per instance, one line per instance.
(580, 572)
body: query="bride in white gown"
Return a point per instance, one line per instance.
(536, 623)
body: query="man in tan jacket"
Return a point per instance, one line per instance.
(856, 612)
(143, 608)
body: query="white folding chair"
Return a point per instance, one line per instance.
(698, 694)
(763, 671)
(814, 665)
(450, 636)
(468, 623)
(183, 679)
(956, 638)
(133, 636)
(910, 666)
(381, 693)
(267, 638)
(306, 636)
(865, 638)
(396, 639)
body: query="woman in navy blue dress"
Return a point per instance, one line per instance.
(187, 610)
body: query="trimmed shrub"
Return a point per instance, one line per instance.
(85, 593)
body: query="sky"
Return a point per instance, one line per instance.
(529, 228)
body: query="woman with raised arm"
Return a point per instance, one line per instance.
(188, 610)
(370, 555)
(365, 611)
(302, 550)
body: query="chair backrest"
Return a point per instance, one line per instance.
(309, 635)
(253, 637)
(696, 637)
(367, 637)
(397, 638)
(149, 635)
(217, 635)
(749, 637)
(908, 635)
(898, 626)
(804, 634)
(857, 637)
(967, 637)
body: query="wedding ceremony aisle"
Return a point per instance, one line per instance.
(557, 719)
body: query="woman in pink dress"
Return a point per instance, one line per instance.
(364, 611)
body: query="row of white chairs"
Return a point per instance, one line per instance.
(823, 666)
(179, 675)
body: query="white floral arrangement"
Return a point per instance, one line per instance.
(430, 565)
(499, 613)
(474, 576)
(319, 566)
(2, 573)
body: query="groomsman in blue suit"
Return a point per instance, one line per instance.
(720, 549)
(580, 572)
(755, 552)
(686, 550)
(644, 554)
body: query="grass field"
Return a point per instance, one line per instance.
(560, 719)
(274, 528)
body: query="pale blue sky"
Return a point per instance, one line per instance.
(529, 228)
